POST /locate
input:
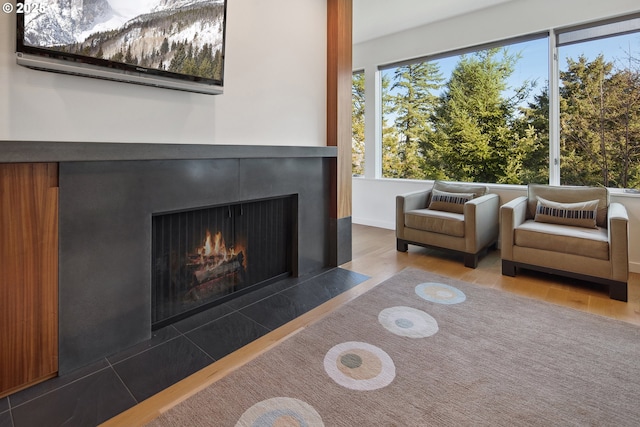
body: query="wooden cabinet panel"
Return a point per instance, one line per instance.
(28, 274)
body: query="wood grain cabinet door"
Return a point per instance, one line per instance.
(28, 274)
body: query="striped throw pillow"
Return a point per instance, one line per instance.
(449, 202)
(581, 214)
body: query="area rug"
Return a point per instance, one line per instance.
(426, 350)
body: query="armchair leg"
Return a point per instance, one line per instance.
(471, 260)
(508, 268)
(402, 245)
(618, 291)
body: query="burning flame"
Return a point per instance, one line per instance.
(215, 247)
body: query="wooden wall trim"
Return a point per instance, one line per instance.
(29, 278)
(339, 81)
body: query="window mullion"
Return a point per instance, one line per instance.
(554, 112)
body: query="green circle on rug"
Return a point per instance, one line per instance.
(280, 411)
(408, 322)
(440, 293)
(359, 366)
(351, 360)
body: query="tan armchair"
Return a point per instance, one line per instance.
(559, 230)
(457, 217)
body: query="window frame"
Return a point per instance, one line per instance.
(557, 37)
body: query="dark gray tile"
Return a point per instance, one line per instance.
(156, 369)
(55, 383)
(87, 402)
(226, 335)
(203, 317)
(274, 311)
(322, 288)
(261, 293)
(281, 308)
(329, 284)
(5, 419)
(308, 297)
(158, 337)
(4, 404)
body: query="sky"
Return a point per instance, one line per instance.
(534, 62)
(132, 8)
(613, 48)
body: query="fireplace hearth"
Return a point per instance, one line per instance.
(206, 256)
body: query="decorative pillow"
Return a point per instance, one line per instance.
(581, 214)
(457, 187)
(449, 202)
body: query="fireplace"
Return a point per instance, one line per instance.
(204, 257)
(114, 197)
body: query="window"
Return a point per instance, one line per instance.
(599, 100)
(478, 115)
(489, 114)
(357, 125)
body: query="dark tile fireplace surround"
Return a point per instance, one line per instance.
(108, 194)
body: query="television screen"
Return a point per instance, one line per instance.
(177, 44)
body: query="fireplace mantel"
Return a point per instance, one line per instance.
(46, 151)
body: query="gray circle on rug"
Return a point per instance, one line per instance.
(440, 293)
(408, 322)
(351, 360)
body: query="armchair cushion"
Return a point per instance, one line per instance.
(435, 221)
(580, 214)
(449, 202)
(588, 242)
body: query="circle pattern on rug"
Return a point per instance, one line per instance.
(280, 411)
(440, 293)
(408, 322)
(359, 366)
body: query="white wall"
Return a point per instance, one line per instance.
(507, 20)
(275, 89)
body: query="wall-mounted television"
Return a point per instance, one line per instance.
(175, 44)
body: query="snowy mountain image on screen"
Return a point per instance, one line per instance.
(181, 36)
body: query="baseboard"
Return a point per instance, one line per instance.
(634, 267)
(374, 223)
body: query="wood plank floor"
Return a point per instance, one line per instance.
(374, 254)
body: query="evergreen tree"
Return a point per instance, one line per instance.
(414, 101)
(357, 125)
(590, 117)
(118, 56)
(178, 60)
(164, 47)
(625, 85)
(392, 166)
(473, 124)
(129, 58)
(217, 66)
(529, 158)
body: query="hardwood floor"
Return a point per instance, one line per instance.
(374, 254)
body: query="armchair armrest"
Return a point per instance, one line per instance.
(512, 214)
(481, 221)
(408, 202)
(618, 231)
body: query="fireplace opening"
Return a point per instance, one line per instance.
(204, 257)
